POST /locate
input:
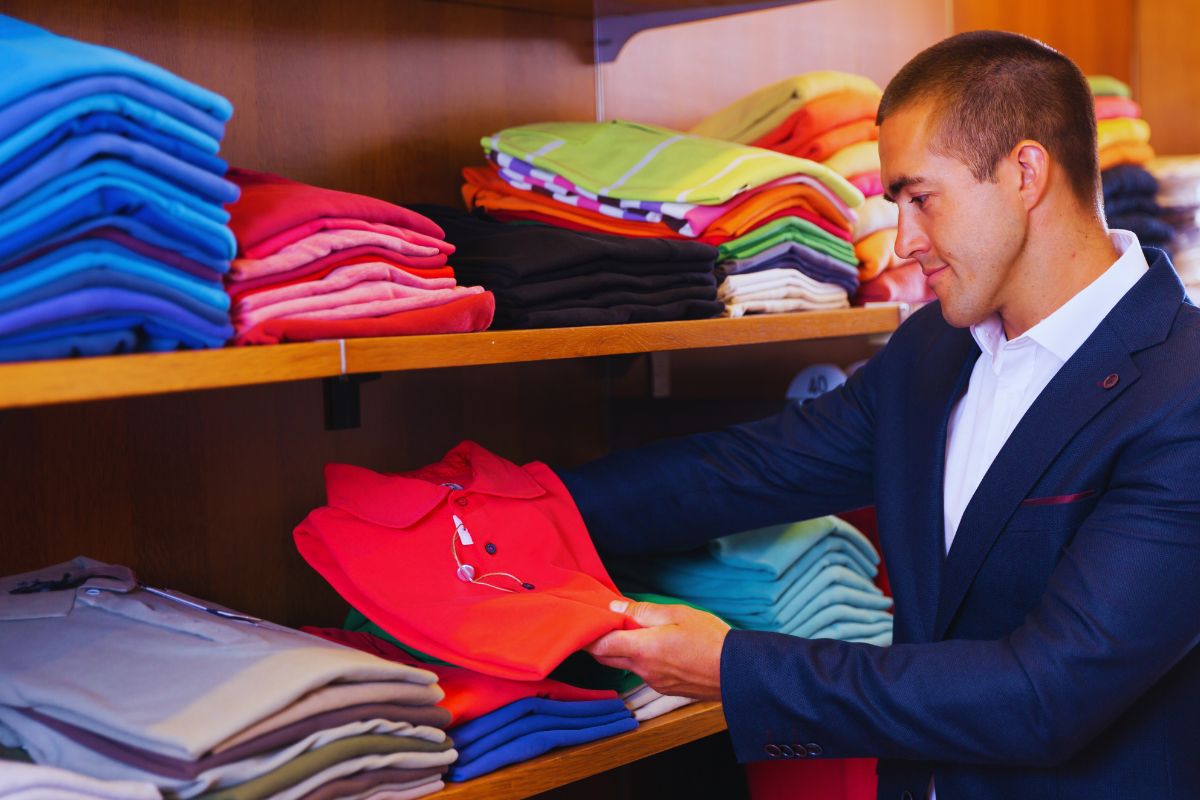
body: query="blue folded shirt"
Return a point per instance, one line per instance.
(534, 723)
(34, 106)
(85, 304)
(534, 744)
(113, 197)
(69, 345)
(99, 256)
(89, 230)
(113, 172)
(83, 156)
(479, 727)
(33, 59)
(102, 278)
(113, 105)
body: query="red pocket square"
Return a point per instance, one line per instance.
(1058, 500)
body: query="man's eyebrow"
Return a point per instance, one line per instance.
(900, 183)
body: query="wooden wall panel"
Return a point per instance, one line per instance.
(382, 97)
(1168, 61)
(1098, 35)
(200, 491)
(676, 76)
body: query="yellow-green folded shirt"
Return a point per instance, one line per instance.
(631, 161)
(1122, 129)
(760, 112)
(1108, 86)
(858, 158)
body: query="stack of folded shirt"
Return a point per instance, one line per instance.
(810, 579)
(1130, 203)
(201, 701)
(496, 721)
(828, 116)
(643, 181)
(1124, 137)
(322, 264)
(1179, 201)
(112, 233)
(544, 276)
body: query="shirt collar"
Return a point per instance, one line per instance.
(1069, 326)
(400, 501)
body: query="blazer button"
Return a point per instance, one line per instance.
(906, 795)
(787, 751)
(772, 750)
(1110, 381)
(814, 749)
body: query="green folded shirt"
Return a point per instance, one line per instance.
(787, 229)
(1108, 86)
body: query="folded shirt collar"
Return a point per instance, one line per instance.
(401, 500)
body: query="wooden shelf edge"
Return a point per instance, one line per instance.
(502, 347)
(561, 767)
(33, 383)
(72, 380)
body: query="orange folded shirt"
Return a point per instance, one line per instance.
(1125, 153)
(822, 147)
(877, 253)
(820, 115)
(487, 190)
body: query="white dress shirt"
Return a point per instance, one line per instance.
(1009, 376)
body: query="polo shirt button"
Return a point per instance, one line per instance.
(462, 501)
(491, 549)
(772, 750)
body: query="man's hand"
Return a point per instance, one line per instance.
(677, 651)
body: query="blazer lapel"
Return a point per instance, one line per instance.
(1072, 398)
(944, 375)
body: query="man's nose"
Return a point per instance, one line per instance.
(911, 241)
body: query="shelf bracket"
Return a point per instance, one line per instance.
(612, 32)
(342, 408)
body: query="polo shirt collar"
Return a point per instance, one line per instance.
(400, 501)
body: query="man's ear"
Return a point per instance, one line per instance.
(1033, 166)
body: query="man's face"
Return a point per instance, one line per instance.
(967, 235)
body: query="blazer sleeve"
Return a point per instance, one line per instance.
(808, 461)
(1120, 610)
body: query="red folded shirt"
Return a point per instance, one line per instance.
(474, 560)
(471, 313)
(237, 290)
(469, 694)
(270, 204)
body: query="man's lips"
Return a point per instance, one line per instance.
(930, 272)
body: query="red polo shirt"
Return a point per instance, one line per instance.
(398, 548)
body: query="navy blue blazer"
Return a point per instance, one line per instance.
(1052, 653)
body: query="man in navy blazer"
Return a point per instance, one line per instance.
(1031, 443)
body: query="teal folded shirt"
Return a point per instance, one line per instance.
(32, 59)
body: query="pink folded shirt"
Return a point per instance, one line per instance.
(282, 239)
(323, 243)
(372, 299)
(337, 280)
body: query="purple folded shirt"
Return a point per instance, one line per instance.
(95, 301)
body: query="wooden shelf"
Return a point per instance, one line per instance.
(560, 767)
(71, 380)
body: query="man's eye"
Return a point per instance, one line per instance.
(919, 200)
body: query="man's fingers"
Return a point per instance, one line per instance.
(645, 614)
(615, 644)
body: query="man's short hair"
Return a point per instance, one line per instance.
(992, 89)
